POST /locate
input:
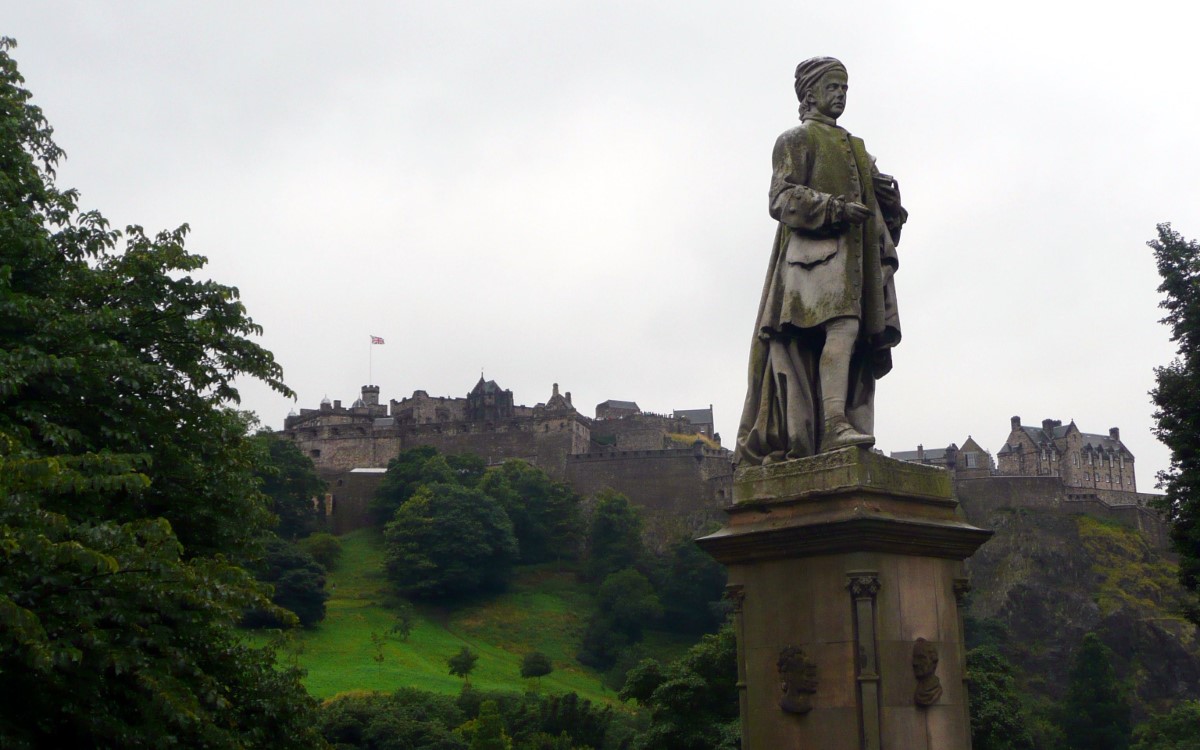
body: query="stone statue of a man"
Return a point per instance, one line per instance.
(828, 318)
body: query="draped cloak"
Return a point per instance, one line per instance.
(819, 270)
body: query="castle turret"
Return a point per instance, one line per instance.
(370, 395)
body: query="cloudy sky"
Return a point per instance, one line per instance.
(577, 192)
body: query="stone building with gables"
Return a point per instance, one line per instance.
(1081, 459)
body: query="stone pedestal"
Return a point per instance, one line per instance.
(846, 574)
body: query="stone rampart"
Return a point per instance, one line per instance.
(681, 489)
(1049, 494)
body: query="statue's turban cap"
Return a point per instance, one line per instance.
(809, 72)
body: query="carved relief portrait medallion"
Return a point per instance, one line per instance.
(925, 664)
(798, 680)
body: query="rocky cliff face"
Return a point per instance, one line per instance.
(1047, 579)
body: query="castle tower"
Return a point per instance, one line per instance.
(370, 395)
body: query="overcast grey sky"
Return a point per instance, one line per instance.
(577, 192)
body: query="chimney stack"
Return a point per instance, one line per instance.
(1016, 423)
(1115, 433)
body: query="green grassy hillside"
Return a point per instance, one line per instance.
(543, 610)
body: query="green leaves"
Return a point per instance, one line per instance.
(126, 482)
(1177, 400)
(449, 541)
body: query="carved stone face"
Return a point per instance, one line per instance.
(829, 95)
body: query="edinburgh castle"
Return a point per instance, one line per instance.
(672, 466)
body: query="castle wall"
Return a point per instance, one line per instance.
(348, 499)
(638, 432)
(680, 490)
(1049, 494)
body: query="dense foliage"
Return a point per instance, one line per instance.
(614, 537)
(1095, 712)
(1177, 398)
(297, 581)
(626, 605)
(449, 541)
(545, 514)
(693, 701)
(415, 720)
(998, 720)
(126, 485)
(290, 482)
(1179, 729)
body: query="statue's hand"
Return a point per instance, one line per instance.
(856, 213)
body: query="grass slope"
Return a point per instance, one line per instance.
(544, 610)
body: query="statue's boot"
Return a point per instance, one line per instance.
(840, 335)
(839, 433)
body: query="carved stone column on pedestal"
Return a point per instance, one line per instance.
(844, 567)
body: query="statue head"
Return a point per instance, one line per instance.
(924, 659)
(821, 84)
(798, 680)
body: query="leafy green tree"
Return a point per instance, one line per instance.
(536, 664)
(462, 663)
(406, 617)
(693, 701)
(625, 605)
(1095, 712)
(1177, 398)
(126, 482)
(998, 721)
(290, 481)
(325, 548)
(1178, 729)
(403, 477)
(545, 514)
(298, 583)
(614, 537)
(449, 541)
(488, 732)
(408, 718)
(691, 585)
(468, 468)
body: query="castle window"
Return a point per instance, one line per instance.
(1075, 459)
(315, 453)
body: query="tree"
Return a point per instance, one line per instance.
(298, 583)
(408, 718)
(488, 732)
(1095, 712)
(404, 475)
(1178, 729)
(691, 585)
(449, 541)
(126, 480)
(290, 480)
(625, 606)
(998, 721)
(693, 702)
(545, 513)
(1177, 400)
(536, 664)
(614, 537)
(462, 663)
(325, 548)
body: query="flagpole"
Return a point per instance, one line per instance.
(370, 361)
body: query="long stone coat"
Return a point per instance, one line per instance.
(820, 269)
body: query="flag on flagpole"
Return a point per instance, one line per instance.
(376, 340)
